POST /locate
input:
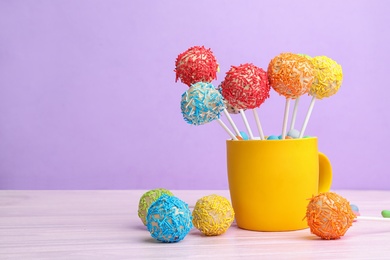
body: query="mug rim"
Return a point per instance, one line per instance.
(274, 140)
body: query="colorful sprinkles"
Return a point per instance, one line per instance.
(201, 104)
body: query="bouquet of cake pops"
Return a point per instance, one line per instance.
(246, 87)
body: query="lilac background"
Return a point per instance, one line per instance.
(88, 98)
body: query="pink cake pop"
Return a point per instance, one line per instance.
(246, 87)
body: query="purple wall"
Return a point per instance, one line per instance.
(88, 98)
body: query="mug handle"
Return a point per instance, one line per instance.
(325, 173)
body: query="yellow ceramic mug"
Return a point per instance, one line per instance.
(270, 181)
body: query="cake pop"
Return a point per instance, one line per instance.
(329, 215)
(169, 219)
(290, 75)
(212, 215)
(201, 104)
(197, 64)
(328, 76)
(246, 87)
(147, 199)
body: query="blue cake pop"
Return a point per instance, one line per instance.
(201, 104)
(169, 219)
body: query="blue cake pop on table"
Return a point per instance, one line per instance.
(169, 219)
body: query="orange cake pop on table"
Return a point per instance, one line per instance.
(329, 215)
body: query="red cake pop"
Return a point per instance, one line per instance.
(197, 64)
(246, 87)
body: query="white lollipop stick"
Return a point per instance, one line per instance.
(227, 129)
(372, 218)
(307, 117)
(286, 110)
(257, 119)
(294, 115)
(246, 124)
(229, 118)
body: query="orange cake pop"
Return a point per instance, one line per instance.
(290, 75)
(329, 215)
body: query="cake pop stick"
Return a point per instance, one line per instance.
(231, 122)
(285, 119)
(246, 87)
(291, 76)
(242, 113)
(201, 104)
(294, 115)
(258, 123)
(373, 218)
(311, 106)
(328, 76)
(221, 123)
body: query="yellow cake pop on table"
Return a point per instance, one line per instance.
(213, 215)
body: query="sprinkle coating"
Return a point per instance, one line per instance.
(197, 64)
(328, 76)
(231, 109)
(169, 219)
(213, 215)
(329, 215)
(290, 75)
(147, 199)
(201, 104)
(245, 86)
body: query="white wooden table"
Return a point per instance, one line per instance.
(105, 225)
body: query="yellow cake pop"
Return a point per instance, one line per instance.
(328, 76)
(213, 215)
